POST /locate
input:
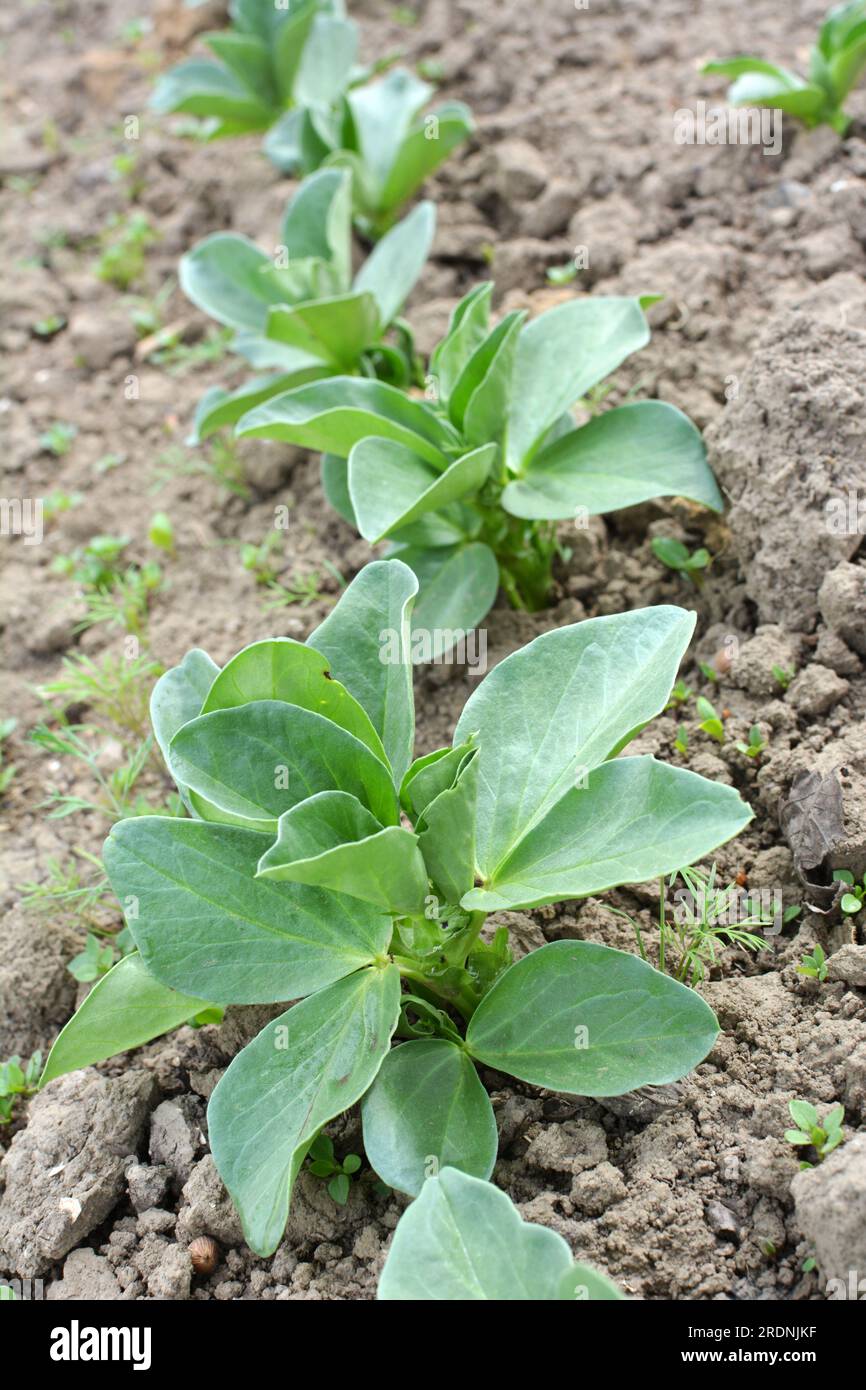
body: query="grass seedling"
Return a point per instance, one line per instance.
(115, 689)
(681, 742)
(709, 672)
(7, 770)
(16, 1081)
(836, 63)
(782, 676)
(821, 1135)
(711, 724)
(678, 557)
(338, 1175)
(82, 896)
(116, 794)
(113, 594)
(756, 744)
(125, 241)
(814, 965)
(705, 917)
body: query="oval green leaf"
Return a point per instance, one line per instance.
(590, 1021)
(206, 925)
(307, 1066)
(425, 1111)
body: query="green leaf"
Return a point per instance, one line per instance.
(289, 45)
(382, 115)
(326, 65)
(335, 330)
(255, 761)
(564, 703)
(463, 1241)
(390, 486)
(229, 278)
(446, 833)
(200, 88)
(459, 585)
(850, 903)
(479, 401)
(307, 1066)
(379, 600)
(466, 332)
(633, 819)
(625, 456)
(736, 67)
(280, 668)
(334, 415)
(754, 89)
(332, 840)
(560, 355)
(419, 155)
(392, 269)
(178, 696)
(584, 1019)
(584, 1284)
(126, 1008)
(430, 775)
(247, 57)
(317, 223)
(218, 408)
(335, 485)
(425, 1111)
(804, 1115)
(205, 924)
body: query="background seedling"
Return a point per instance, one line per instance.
(303, 314)
(852, 901)
(711, 724)
(15, 1081)
(814, 964)
(681, 742)
(125, 241)
(678, 557)
(835, 65)
(756, 744)
(782, 676)
(823, 1135)
(115, 688)
(93, 962)
(323, 1164)
(679, 695)
(57, 439)
(467, 485)
(7, 769)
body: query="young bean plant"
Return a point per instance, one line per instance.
(292, 71)
(321, 862)
(836, 62)
(302, 315)
(467, 485)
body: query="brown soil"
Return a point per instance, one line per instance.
(761, 337)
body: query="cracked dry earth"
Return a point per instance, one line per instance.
(691, 1193)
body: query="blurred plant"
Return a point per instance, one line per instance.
(7, 770)
(852, 901)
(678, 557)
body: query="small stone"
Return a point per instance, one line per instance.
(842, 601)
(722, 1221)
(172, 1277)
(816, 690)
(147, 1185)
(831, 1209)
(176, 1137)
(848, 965)
(596, 1189)
(518, 171)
